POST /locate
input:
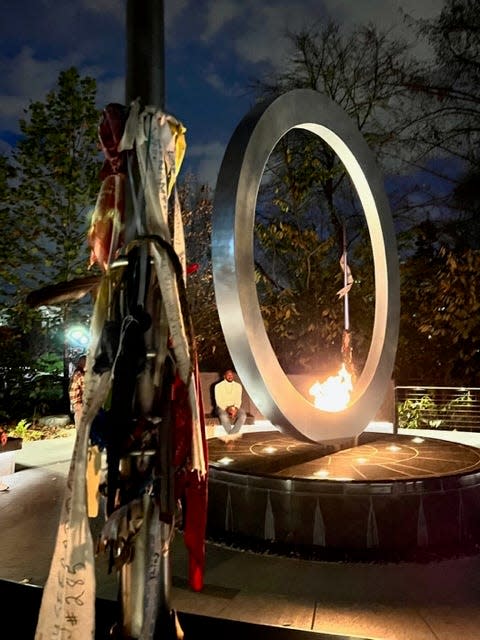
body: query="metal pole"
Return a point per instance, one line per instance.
(145, 71)
(145, 77)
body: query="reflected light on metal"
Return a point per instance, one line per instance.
(269, 450)
(322, 473)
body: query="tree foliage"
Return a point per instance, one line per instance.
(448, 89)
(307, 201)
(57, 164)
(421, 120)
(439, 328)
(49, 186)
(197, 209)
(448, 314)
(453, 80)
(365, 73)
(439, 290)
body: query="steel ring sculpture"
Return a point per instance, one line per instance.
(233, 265)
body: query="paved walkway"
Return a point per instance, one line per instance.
(398, 601)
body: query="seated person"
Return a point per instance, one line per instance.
(228, 401)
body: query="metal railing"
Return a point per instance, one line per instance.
(449, 408)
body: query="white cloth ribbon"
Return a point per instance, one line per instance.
(348, 278)
(67, 610)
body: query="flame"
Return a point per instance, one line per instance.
(334, 393)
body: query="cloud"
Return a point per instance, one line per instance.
(246, 39)
(205, 161)
(219, 83)
(28, 79)
(174, 11)
(110, 7)
(111, 90)
(257, 29)
(219, 14)
(394, 16)
(214, 48)
(384, 14)
(263, 40)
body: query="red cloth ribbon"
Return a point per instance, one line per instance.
(192, 268)
(190, 487)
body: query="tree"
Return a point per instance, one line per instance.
(11, 233)
(51, 186)
(365, 74)
(421, 121)
(439, 298)
(57, 162)
(307, 205)
(441, 340)
(197, 208)
(450, 128)
(453, 81)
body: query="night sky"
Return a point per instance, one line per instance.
(214, 50)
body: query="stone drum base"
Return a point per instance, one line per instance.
(388, 497)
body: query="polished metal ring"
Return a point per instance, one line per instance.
(233, 265)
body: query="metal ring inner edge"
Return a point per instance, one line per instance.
(233, 221)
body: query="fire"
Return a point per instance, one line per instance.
(334, 393)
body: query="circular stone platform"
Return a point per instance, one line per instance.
(389, 496)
